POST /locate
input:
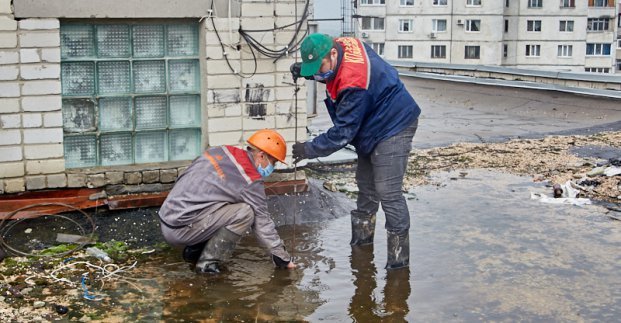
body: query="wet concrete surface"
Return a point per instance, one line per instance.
(491, 254)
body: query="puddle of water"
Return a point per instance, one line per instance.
(480, 250)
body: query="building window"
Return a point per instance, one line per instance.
(506, 25)
(595, 49)
(601, 3)
(618, 64)
(533, 25)
(619, 44)
(568, 3)
(472, 52)
(372, 23)
(507, 3)
(566, 26)
(130, 93)
(473, 2)
(405, 51)
(473, 25)
(405, 25)
(406, 3)
(597, 69)
(372, 2)
(533, 50)
(505, 50)
(565, 50)
(598, 24)
(440, 2)
(438, 51)
(535, 3)
(378, 48)
(438, 25)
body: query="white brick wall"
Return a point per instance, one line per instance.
(41, 87)
(43, 151)
(39, 39)
(12, 170)
(43, 136)
(8, 39)
(8, 72)
(41, 103)
(224, 124)
(9, 105)
(29, 55)
(7, 23)
(13, 153)
(40, 71)
(8, 121)
(9, 89)
(30, 24)
(32, 120)
(10, 137)
(9, 56)
(48, 166)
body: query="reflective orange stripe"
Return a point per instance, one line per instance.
(215, 164)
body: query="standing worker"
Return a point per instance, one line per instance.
(370, 109)
(219, 198)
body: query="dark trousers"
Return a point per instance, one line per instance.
(380, 180)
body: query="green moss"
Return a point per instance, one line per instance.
(59, 249)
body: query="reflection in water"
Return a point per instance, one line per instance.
(363, 307)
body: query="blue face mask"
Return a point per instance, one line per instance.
(265, 172)
(324, 77)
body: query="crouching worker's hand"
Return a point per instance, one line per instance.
(282, 264)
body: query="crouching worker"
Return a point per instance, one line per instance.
(221, 197)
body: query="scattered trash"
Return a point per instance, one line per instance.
(588, 182)
(612, 171)
(86, 294)
(330, 186)
(558, 191)
(98, 253)
(38, 304)
(563, 194)
(73, 238)
(27, 231)
(60, 309)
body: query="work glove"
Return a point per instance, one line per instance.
(296, 70)
(299, 152)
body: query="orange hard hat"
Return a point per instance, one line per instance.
(271, 142)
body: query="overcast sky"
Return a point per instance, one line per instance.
(328, 9)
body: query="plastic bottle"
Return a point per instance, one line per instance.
(98, 253)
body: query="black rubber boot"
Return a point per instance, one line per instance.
(191, 253)
(398, 250)
(362, 228)
(218, 249)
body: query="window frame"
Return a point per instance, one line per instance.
(470, 22)
(372, 22)
(406, 22)
(599, 49)
(477, 50)
(442, 50)
(531, 26)
(567, 23)
(568, 4)
(378, 48)
(603, 24)
(405, 49)
(533, 50)
(438, 3)
(535, 4)
(471, 3)
(434, 25)
(565, 51)
(402, 4)
(373, 2)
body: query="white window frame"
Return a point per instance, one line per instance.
(565, 51)
(473, 3)
(566, 24)
(602, 24)
(372, 23)
(473, 22)
(533, 25)
(378, 48)
(505, 50)
(436, 48)
(597, 70)
(618, 64)
(568, 3)
(533, 50)
(408, 50)
(404, 3)
(598, 49)
(406, 25)
(475, 48)
(372, 2)
(440, 3)
(600, 3)
(434, 25)
(535, 3)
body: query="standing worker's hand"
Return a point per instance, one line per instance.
(296, 69)
(298, 152)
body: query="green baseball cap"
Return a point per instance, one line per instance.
(314, 48)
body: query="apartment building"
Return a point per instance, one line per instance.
(559, 35)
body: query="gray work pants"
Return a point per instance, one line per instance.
(380, 179)
(237, 218)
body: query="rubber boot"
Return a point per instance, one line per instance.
(191, 253)
(398, 250)
(362, 228)
(217, 250)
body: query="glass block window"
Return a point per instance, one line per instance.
(131, 93)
